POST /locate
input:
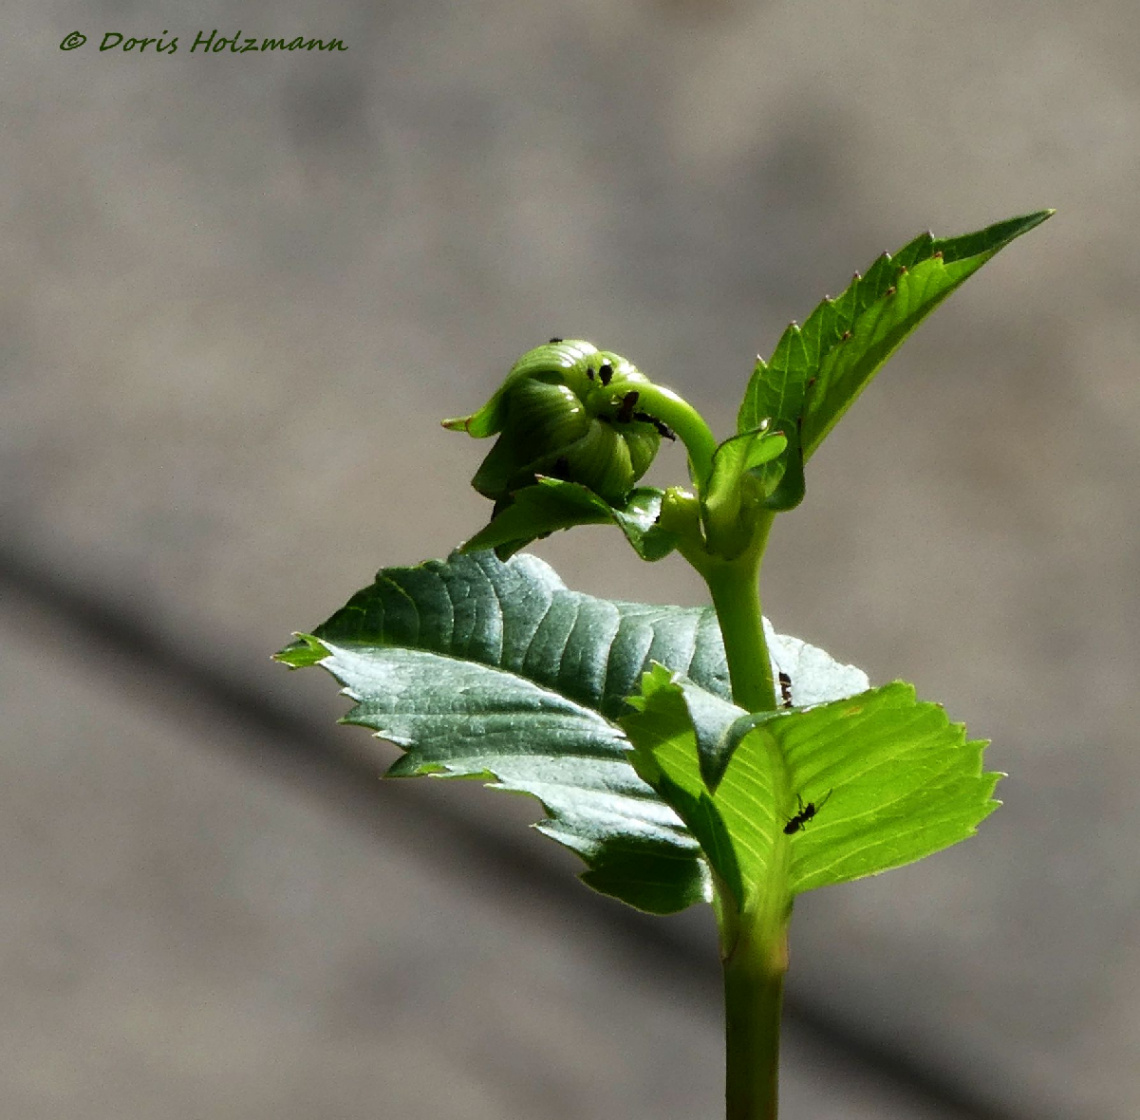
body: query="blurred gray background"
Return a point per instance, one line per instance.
(240, 291)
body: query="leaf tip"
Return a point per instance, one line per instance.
(305, 651)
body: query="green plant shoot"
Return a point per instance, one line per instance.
(688, 755)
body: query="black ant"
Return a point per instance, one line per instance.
(554, 340)
(625, 413)
(805, 814)
(662, 429)
(786, 689)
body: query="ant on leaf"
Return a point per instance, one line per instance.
(805, 814)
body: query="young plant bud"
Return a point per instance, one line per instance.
(566, 409)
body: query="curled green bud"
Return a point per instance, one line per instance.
(570, 411)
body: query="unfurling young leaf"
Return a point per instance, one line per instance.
(738, 474)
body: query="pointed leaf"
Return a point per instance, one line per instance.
(818, 370)
(904, 782)
(718, 726)
(666, 755)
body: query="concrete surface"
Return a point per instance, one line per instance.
(240, 291)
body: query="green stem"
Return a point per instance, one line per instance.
(754, 947)
(735, 589)
(753, 932)
(753, 997)
(753, 936)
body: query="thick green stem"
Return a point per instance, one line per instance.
(753, 995)
(753, 930)
(735, 589)
(754, 948)
(753, 935)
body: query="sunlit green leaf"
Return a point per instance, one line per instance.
(818, 370)
(902, 782)
(808, 798)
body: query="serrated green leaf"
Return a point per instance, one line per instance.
(906, 781)
(864, 784)
(817, 371)
(553, 504)
(479, 668)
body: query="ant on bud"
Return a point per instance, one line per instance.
(662, 429)
(625, 413)
(786, 689)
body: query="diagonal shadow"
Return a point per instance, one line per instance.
(288, 741)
